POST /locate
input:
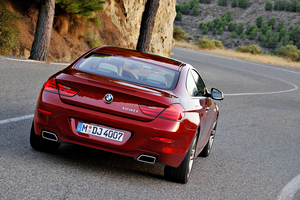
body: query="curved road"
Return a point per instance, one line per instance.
(255, 155)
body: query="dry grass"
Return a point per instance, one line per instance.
(264, 58)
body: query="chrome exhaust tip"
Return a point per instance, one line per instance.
(146, 159)
(49, 136)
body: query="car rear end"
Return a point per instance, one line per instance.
(121, 104)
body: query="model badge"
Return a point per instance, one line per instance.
(108, 98)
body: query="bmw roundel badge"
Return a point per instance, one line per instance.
(108, 98)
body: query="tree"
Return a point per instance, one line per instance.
(214, 31)
(41, 43)
(259, 21)
(280, 25)
(227, 16)
(222, 2)
(285, 40)
(220, 31)
(268, 6)
(243, 35)
(210, 26)
(282, 33)
(178, 16)
(253, 33)
(294, 6)
(298, 7)
(281, 5)
(84, 8)
(288, 6)
(204, 30)
(240, 29)
(233, 34)
(147, 24)
(242, 3)
(272, 22)
(233, 3)
(264, 27)
(195, 10)
(248, 29)
(276, 5)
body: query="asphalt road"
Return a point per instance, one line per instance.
(255, 155)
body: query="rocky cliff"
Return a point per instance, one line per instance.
(124, 19)
(120, 26)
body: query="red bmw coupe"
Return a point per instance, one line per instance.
(152, 108)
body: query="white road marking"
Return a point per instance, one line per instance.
(253, 63)
(5, 121)
(295, 87)
(35, 61)
(290, 189)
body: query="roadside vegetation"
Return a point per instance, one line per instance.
(273, 36)
(8, 32)
(287, 55)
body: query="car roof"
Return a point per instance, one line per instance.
(140, 56)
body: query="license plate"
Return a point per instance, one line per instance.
(100, 131)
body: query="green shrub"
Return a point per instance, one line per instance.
(204, 30)
(259, 21)
(195, 10)
(227, 16)
(220, 31)
(240, 29)
(242, 3)
(243, 35)
(178, 16)
(179, 34)
(272, 22)
(80, 7)
(233, 34)
(206, 43)
(8, 32)
(276, 5)
(218, 44)
(222, 2)
(281, 5)
(214, 31)
(233, 3)
(280, 25)
(268, 6)
(290, 52)
(253, 49)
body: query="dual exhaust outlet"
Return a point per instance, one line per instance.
(142, 158)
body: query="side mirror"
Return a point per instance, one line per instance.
(216, 94)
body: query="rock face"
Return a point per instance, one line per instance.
(123, 19)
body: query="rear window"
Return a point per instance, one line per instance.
(129, 70)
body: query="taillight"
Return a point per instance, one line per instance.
(173, 112)
(67, 91)
(51, 86)
(151, 110)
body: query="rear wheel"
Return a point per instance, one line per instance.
(182, 173)
(207, 149)
(40, 144)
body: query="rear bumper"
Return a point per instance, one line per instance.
(64, 118)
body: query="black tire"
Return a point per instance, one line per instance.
(207, 149)
(40, 144)
(182, 173)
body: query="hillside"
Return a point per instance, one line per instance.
(208, 12)
(117, 25)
